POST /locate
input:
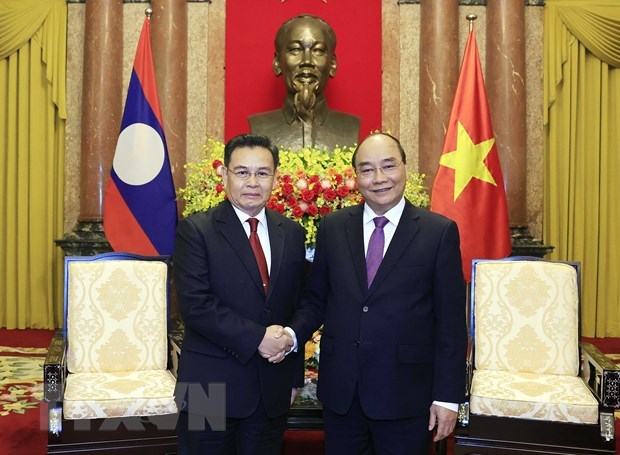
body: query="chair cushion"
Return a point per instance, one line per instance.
(526, 317)
(101, 395)
(532, 396)
(116, 316)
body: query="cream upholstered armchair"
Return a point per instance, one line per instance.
(107, 378)
(533, 388)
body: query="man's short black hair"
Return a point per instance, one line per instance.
(251, 140)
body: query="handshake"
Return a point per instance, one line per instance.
(276, 343)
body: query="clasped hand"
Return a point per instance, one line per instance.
(276, 343)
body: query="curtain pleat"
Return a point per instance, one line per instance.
(32, 128)
(582, 103)
(19, 20)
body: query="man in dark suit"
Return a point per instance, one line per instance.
(393, 346)
(232, 303)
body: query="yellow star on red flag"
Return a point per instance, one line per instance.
(468, 160)
(468, 186)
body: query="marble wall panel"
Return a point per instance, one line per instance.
(206, 76)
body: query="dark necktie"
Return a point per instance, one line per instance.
(374, 255)
(258, 252)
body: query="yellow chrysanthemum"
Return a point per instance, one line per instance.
(311, 183)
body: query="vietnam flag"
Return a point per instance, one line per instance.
(140, 213)
(469, 186)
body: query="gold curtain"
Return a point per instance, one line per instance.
(32, 130)
(582, 147)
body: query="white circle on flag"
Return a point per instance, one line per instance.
(139, 154)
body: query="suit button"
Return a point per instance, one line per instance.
(356, 343)
(365, 309)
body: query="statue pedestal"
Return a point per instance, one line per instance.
(524, 244)
(87, 239)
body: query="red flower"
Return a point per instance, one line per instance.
(308, 195)
(317, 188)
(216, 164)
(219, 188)
(286, 178)
(291, 201)
(343, 191)
(279, 208)
(314, 179)
(287, 189)
(312, 210)
(325, 210)
(329, 195)
(338, 178)
(298, 212)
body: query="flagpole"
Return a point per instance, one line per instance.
(471, 18)
(148, 13)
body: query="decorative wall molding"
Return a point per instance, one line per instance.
(474, 2)
(142, 1)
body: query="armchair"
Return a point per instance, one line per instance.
(533, 388)
(108, 381)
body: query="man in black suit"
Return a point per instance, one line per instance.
(392, 363)
(232, 308)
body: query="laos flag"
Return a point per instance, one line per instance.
(139, 211)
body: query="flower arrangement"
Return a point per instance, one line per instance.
(312, 352)
(310, 183)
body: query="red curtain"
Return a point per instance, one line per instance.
(251, 86)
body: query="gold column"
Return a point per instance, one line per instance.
(169, 43)
(101, 101)
(439, 67)
(505, 81)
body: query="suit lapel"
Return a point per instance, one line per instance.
(406, 230)
(355, 238)
(276, 240)
(230, 227)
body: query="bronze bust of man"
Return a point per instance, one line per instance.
(305, 57)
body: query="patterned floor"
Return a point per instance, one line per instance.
(21, 379)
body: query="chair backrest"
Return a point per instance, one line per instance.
(526, 315)
(116, 313)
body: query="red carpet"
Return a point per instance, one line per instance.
(20, 423)
(20, 393)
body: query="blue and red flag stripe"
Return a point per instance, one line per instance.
(140, 212)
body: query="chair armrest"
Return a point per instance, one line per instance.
(175, 340)
(54, 370)
(601, 375)
(463, 411)
(469, 366)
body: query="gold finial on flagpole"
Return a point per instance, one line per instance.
(471, 18)
(148, 12)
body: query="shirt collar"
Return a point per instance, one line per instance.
(320, 111)
(243, 217)
(393, 215)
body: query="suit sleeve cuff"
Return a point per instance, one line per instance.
(291, 332)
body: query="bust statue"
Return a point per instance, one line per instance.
(305, 58)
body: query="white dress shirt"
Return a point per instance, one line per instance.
(262, 231)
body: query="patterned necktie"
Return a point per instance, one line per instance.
(374, 256)
(258, 252)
